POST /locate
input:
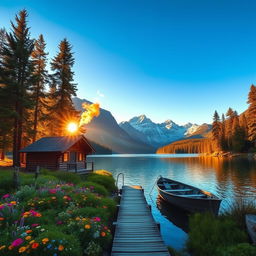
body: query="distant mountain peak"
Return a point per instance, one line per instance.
(157, 134)
(140, 119)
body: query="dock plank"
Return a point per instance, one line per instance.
(136, 232)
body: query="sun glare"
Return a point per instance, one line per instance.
(72, 127)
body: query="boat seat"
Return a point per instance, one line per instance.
(178, 190)
(194, 195)
(168, 185)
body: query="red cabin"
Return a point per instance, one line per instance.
(67, 153)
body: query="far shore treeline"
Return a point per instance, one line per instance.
(33, 101)
(232, 133)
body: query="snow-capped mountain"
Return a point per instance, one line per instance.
(157, 134)
(106, 135)
(192, 129)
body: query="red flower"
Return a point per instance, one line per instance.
(34, 245)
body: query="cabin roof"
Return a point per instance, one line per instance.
(55, 144)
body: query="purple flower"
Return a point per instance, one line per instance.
(17, 242)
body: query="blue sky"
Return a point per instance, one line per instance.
(167, 59)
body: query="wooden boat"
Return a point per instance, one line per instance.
(187, 197)
(250, 221)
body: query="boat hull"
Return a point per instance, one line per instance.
(191, 204)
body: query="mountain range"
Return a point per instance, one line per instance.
(107, 136)
(159, 134)
(138, 135)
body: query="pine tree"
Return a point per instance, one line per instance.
(229, 125)
(5, 124)
(243, 123)
(251, 118)
(62, 109)
(223, 142)
(216, 130)
(39, 57)
(16, 77)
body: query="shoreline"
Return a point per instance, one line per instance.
(223, 154)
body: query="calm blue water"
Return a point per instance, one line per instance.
(229, 179)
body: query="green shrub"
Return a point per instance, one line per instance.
(109, 205)
(243, 249)
(93, 249)
(107, 181)
(238, 210)
(27, 179)
(67, 177)
(94, 187)
(92, 212)
(208, 233)
(46, 179)
(70, 243)
(6, 181)
(25, 193)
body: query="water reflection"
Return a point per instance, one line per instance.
(174, 214)
(229, 179)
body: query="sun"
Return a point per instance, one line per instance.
(72, 127)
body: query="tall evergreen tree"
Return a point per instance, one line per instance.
(223, 142)
(238, 135)
(229, 125)
(62, 109)
(251, 118)
(39, 57)
(5, 124)
(216, 130)
(16, 76)
(243, 123)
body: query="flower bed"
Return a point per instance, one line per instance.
(55, 219)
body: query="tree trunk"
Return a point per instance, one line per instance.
(35, 123)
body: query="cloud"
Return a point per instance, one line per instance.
(100, 94)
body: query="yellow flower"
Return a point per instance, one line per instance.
(87, 226)
(28, 238)
(13, 202)
(45, 240)
(22, 249)
(61, 247)
(77, 218)
(2, 247)
(31, 242)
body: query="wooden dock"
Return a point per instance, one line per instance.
(136, 231)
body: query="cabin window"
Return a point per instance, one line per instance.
(65, 157)
(80, 157)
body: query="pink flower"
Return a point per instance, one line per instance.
(6, 196)
(97, 219)
(17, 242)
(52, 191)
(34, 225)
(59, 222)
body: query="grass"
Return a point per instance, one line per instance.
(73, 213)
(224, 235)
(238, 210)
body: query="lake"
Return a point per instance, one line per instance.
(229, 179)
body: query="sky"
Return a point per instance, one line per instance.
(167, 59)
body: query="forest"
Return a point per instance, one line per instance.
(34, 101)
(232, 133)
